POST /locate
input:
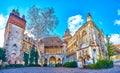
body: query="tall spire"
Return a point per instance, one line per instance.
(89, 17)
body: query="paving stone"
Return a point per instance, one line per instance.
(115, 69)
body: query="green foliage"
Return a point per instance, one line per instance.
(32, 54)
(71, 64)
(33, 65)
(58, 65)
(101, 64)
(36, 57)
(13, 66)
(111, 51)
(67, 64)
(2, 54)
(44, 65)
(26, 58)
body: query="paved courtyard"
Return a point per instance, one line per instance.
(115, 69)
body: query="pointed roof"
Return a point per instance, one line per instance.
(88, 14)
(89, 17)
(67, 33)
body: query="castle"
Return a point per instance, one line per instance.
(87, 44)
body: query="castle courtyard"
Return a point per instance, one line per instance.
(115, 69)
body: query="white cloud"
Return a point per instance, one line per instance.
(115, 38)
(29, 33)
(117, 22)
(118, 12)
(1, 38)
(74, 23)
(3, 20)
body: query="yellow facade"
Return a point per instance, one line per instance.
(53, 50)
(87, 43)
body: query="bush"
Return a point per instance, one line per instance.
(67, 64)
(58, 65)
(44, 65)
(14, 66)
(101, 64)
(34, 65)
(71, 64)
(91, 66)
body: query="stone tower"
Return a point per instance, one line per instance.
(13, 37)
(67, 35)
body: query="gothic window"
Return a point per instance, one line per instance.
(84, 38)
(84, 33)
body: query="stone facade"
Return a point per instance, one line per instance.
(53, 50)
(14, 33)
(87, 44)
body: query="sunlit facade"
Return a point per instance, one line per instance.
(53, 50)
(14, 34)
(87, 44)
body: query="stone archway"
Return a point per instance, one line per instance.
(52, 60)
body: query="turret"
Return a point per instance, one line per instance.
(89, 17)
(67, 35)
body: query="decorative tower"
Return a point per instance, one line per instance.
(89, 17)
(67, 35)
(14, 33)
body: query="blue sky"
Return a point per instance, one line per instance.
(105, 13)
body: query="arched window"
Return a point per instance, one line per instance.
(84, 33)
(84, 38)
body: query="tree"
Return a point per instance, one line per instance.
(109, 47)
(36, 57)
(42, 22)
(32, 54)
(26, 58)
(2, 54)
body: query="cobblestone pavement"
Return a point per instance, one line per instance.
(115, 69)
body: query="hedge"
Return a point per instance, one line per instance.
(71, 64)
(44, 65)
(101, 64)
(18, 66)
(58, 65)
